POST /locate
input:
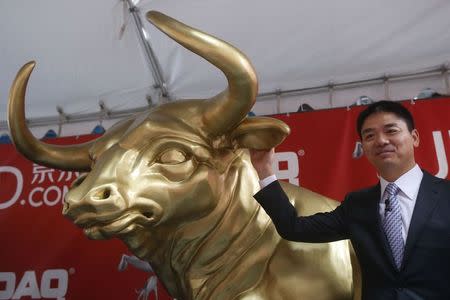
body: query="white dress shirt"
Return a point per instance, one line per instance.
(266, 181)
(408, 184)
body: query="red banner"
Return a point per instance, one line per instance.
(45, 256)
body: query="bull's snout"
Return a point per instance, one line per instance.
(99, 203)
(102, 195)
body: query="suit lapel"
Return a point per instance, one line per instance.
(426, 201)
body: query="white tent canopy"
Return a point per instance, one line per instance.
(83, 59)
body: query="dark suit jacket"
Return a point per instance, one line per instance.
(425, 272)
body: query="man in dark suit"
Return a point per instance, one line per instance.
(400, 228)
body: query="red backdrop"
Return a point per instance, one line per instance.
(44, 256)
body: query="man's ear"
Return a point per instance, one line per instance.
(416, 139)
(260, 133)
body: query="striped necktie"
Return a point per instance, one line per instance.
(393, 223)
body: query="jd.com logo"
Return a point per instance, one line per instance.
(46, 195)
(53, 285)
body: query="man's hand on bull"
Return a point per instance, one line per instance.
(262, 162)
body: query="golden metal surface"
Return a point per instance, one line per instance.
(175, 184)
(73, 157)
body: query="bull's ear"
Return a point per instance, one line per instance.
(260, 133)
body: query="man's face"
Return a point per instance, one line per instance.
(388, 144)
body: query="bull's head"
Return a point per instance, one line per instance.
(152, 174)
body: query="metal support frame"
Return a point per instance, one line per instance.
(278, 94)
(385, 79)
(155, 67)
(330, 93)
(331, 86)
(445, 75)
(62, 119)
(387, 96)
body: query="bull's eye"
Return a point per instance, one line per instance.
(172, 157)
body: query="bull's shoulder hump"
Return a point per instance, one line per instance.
(306, 201)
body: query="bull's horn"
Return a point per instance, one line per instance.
(225, 110)
(74, 158)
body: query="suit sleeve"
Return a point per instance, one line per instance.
(318, 228)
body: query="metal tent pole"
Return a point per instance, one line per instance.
(148, 51)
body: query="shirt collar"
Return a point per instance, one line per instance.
(408, 183)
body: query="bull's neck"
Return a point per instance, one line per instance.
(234, 234)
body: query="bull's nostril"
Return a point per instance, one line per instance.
(106, 193)
(102, 194)
(148, 215)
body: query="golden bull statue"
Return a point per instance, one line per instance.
(175, 184)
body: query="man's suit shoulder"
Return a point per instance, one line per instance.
(441, 183)
(356, 196)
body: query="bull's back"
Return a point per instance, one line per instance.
(306, 201)
(297, 270)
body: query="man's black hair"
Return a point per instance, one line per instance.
(385, 106)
